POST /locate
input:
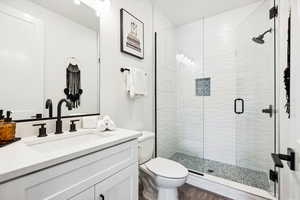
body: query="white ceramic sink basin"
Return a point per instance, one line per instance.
(65, 141)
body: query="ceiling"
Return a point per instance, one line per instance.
(81, 14)
(185, 11)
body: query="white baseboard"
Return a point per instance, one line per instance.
(228, 188)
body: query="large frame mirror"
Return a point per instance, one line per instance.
(49, 50)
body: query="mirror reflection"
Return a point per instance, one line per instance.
(48, 51)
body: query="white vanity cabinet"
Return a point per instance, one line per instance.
(109, 174)
(121, 186)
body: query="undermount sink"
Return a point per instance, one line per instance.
(65, 141)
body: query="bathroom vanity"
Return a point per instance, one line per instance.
(57, 43)
(85, 165)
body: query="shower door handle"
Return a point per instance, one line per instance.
(269, 111)
(235, 106)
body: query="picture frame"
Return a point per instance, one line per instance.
(132, 35)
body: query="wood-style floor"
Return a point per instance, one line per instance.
(188, 192)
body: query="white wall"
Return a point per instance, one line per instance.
(127, 113)
(64, 38)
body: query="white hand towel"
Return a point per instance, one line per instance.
(140, 82)
(105, 123)
(110, 125)
(101, 125)
(130, 82)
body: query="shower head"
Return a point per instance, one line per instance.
(260, 39)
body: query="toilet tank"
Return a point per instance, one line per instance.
(146, 146)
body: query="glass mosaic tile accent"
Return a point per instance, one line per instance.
(203, 87)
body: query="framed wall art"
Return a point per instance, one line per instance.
(132, 35)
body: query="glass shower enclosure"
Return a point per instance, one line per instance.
(215, 93)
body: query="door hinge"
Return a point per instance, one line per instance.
(273, 12)
(273, 175)
(289, 157)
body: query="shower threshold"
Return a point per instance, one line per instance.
(237, 174)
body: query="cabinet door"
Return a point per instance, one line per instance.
(122, 186)
(88, 194)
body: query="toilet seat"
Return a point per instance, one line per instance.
(167, 168)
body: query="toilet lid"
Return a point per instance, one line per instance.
(167, 168)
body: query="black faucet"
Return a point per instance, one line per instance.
(49, 105)
(59, 121)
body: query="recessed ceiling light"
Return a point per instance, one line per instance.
(77, 2)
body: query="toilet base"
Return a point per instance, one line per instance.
(167, 194)
(159, 187)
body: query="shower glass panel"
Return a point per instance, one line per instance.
(254, 130)
(179, 110)
(215, 93)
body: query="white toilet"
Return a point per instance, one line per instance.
(159, 175)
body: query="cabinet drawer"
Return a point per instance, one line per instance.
(65, 180)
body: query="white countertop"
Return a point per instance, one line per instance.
(20, 158)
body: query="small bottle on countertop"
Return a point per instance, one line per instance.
(1, 122)
(7, 128)
(1, 116)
